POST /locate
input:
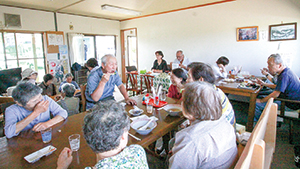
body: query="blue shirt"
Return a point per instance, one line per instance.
(93, 82)
(73, 82)
(289, 85)
(16, 113)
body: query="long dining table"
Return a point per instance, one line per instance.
(13, 150)
(233, 88)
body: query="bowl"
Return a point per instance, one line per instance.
(173, 109)
(141, 122)
(136, 112)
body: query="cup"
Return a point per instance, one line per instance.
(74, 141)
(46, 135)
(163, 95)
(297, 156)
(149, 108)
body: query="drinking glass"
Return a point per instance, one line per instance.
(46, 135)
(163, 95)
(74, 141)
(149, 108)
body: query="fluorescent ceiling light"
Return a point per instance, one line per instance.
(120, 10)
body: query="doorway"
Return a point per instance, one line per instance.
(129, 50)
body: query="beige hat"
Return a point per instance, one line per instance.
(28, 72)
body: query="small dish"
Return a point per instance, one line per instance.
(35, 156)
(135, 112)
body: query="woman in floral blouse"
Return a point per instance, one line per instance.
(105, 130)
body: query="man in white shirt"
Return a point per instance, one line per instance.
(181, 60)
(219, 67)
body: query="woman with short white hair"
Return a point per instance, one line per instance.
(210, 141)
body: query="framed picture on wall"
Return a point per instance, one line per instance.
(247, 34)
(280, 32)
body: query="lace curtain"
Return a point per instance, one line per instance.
(76, 46)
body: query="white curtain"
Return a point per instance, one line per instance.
(76, 48)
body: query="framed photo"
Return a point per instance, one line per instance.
(283, 32)
(247, 34)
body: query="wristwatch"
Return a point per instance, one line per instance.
(267, 75)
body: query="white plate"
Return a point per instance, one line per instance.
(33, 157)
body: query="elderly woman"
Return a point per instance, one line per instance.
(105, 130)
(69, 79)
(210, 141)
(69, 102)
(47, 85)
(31, 111)
(29, 75)
(199, 71)
(219, 67)
(159, 64)
(178, 79)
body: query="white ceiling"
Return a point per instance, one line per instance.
(93, 7)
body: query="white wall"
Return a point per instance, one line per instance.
(208, 32)
(31, 20)
(34, 20)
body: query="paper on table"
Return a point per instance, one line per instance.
(35, 156)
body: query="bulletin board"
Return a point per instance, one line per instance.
(54, 39)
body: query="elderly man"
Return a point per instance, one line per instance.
(287, 85)
(31, 111)
(181, 60)
(101, 83)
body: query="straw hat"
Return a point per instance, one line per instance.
(28, 72)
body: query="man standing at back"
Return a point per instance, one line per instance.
(101, 83)
(287, 86)
(181, 60)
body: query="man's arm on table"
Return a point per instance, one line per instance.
(125, 94)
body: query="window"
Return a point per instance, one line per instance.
(23, 50)
(84, 47)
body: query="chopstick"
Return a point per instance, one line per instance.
(134, 137)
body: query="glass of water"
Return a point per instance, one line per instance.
(74, 141)
(163, 95)
(149, 108)
(46, 135)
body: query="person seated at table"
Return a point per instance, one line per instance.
(92, 65)
(178, 79)
(269, 84)
(219, 67)
(101, 83)
(68, 101)
(29, 75)
(181, 60)
(210, 141)
(47, 85)
(69, 79)
(31, 111)
(159, 64)
(199, 71)
(106, 130)
(287, 85)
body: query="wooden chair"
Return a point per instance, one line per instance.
(3, 106)
(260, 147)
(83, 98)
(132, 83)
(6, 99)
(148, 81)
(290, 116)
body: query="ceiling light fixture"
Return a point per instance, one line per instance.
(120, 10)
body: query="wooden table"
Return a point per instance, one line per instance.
(232, 88)
(15, 149)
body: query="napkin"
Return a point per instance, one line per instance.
(143, 117)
